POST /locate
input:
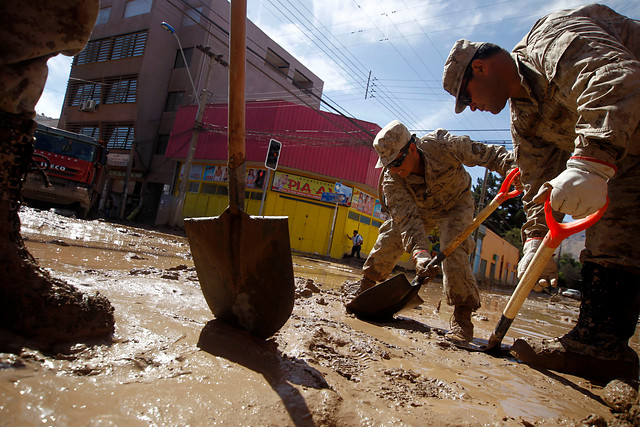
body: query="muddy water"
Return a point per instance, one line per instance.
(171, 364)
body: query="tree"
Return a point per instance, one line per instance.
(507, 217)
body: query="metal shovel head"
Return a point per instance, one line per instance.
(382, 301)
(245, 269)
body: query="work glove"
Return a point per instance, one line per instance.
(549, 276)
(581, 189)
(421, 259)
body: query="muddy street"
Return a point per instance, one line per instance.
(172, 363)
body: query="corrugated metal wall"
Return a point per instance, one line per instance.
(314, 141)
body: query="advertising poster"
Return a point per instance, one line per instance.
(307, 187)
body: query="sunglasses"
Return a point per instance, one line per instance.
(403, 153)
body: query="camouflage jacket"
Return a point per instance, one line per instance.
(414, 199)
(581, 70)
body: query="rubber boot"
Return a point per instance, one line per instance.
(461, 326)
(597, 347)
(33, 305)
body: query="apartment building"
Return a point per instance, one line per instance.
(127, 84)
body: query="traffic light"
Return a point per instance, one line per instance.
(273, 153)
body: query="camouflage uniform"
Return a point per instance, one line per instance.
(30, 34)
(568, 63)
(32, 303)
(441, 198)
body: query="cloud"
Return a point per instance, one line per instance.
(50, 103)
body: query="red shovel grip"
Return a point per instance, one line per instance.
(504, 192)
(558, 232)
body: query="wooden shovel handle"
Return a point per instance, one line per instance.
(237, 65)
(502, 195)
(557, 232)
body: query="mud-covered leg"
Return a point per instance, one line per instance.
(598, 346)
(33, 304)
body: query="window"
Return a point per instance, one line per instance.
(163, 142)
(103, 15)
(302, 82)
(112, 90)
(112, 48)
(80, 91)
(275, 61)
(174, 99)
(121, 91)
(91, 130)
(192, 16)
(137, 7)
(128, 45)
(118, 136)
(179, 61)
(194, 187)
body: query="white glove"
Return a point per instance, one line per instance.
(581, 189)
(421, 258)
(549, 275)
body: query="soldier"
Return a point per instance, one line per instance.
(425, 184)
(32, 303)
(573, 83)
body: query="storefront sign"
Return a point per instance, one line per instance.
(307, 187)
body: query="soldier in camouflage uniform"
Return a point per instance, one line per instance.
(573, 84)
(32, 303)
(426, 185)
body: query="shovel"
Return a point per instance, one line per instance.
(556, 234)
(243, 262)
(382, 301)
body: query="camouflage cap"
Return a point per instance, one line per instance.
(459, 58)
(389, 141)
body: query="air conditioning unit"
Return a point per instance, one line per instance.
(89, 105)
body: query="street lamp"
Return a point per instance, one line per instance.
(172, 30)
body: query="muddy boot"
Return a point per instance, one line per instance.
(597, 347)
(33, 305)
(461, 326)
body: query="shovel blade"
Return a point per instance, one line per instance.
(245, 269)
(382, 301)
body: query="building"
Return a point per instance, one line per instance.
(322, 154)
(127, 84)
(495, 259)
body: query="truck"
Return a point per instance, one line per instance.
(75, 165)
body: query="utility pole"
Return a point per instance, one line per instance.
(184, 183)
(478, 209)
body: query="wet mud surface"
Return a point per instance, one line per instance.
(172, 363)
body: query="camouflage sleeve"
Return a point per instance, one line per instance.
(592, 72)
(405, 213)
(31, 32)
(471, 153)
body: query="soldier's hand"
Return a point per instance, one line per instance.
(579, 190)
(549, 276)
(422, 259)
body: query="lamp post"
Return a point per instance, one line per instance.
(172, 30)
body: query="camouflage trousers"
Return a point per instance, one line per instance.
(613, 241)
(460, 286)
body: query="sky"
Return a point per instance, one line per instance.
(383, 60)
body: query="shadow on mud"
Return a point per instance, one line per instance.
(263, 357)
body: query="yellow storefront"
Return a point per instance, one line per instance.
(316, 226)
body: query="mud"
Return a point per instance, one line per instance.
(172, 363)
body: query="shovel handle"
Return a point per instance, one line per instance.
(236, 138)
(502, 195)
(557, 232)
